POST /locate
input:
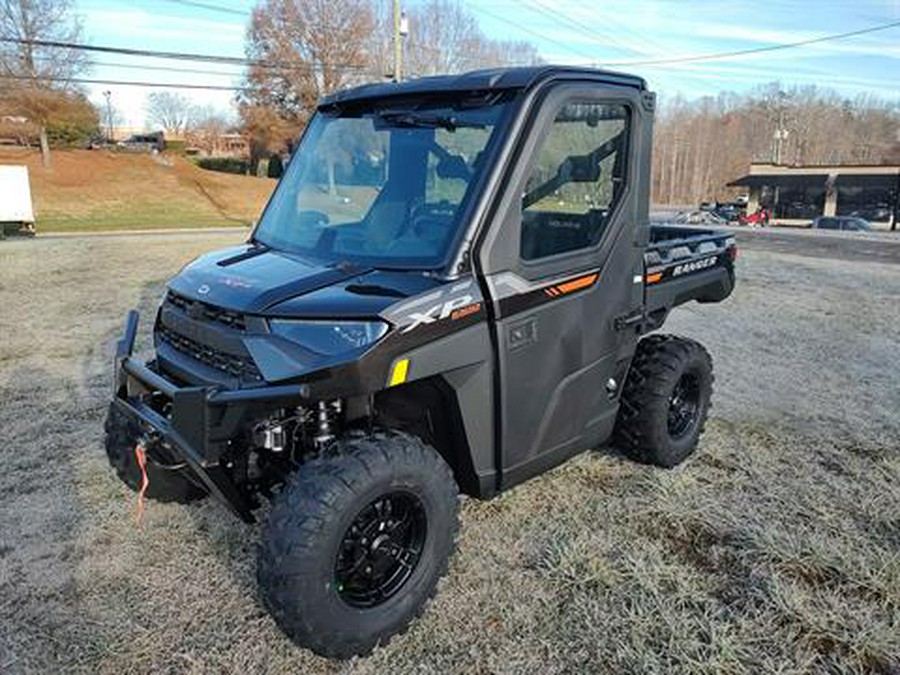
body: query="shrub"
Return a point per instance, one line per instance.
(70, 134)
(276, 168)
(223, 164)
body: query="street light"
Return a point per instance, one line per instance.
(404, 24)
(781, 133)
(109, 118)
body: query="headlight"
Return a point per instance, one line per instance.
(330, 337)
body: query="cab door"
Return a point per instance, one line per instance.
(563, 268)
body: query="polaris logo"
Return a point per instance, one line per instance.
(693, 266)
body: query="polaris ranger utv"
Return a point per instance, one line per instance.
(445, 293)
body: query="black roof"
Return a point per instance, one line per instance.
(781, 180)
(797, 180)
(497, 79)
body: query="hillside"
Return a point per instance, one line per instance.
(102, 190)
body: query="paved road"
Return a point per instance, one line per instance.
(883, 247)
(161, 232)
(880, 247)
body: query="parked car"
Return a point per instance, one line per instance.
(145, 142)
(727, 211)
(844, 223)
(698, 218)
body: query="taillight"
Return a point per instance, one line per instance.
(731, 248)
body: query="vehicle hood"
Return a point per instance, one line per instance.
(259, 280)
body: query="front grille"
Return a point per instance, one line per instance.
(241, 367)
(200, 310)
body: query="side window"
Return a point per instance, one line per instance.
(576, 181)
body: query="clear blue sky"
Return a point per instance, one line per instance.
(613, 32)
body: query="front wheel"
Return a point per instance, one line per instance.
(665, 400)
(356, 542)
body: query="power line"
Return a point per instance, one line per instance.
(167, 69)
(500, 17)
(126, 83)
(566, 22)
(687, 59)
(210, 6)
(179, 56)
(321, 26)
(753, 50)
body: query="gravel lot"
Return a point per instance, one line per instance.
(777, 548)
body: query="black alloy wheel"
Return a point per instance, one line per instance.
(356, 542)
(665, 400)
(684, 405)
(380, 550)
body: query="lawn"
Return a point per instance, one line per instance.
(775, 549)
(96, 190)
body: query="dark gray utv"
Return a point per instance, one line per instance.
(446, 293)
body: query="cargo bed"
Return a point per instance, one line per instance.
(683, 264)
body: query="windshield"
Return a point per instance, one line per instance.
(383, 187)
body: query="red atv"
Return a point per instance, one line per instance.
(759, 218)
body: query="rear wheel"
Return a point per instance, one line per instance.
(167, 481)
(356, 543)
(665, 400)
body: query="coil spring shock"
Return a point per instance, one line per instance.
(325, 422)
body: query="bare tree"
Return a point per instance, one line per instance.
(700, 146)
(38, 79)
(312, 47)
(303, 49)
(206, 130)
(111, 117)
(445, 38)
(173, 112)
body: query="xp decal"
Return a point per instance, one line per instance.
(442, 310)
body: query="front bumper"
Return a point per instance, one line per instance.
(203, 419)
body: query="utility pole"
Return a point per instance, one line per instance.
(781, 133)
(109, 115)
(398, 47)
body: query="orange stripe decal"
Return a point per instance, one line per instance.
(577, 284)
(653, 278)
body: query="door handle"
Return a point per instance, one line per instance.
(628, 320)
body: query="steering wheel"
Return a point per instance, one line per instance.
(429, 217)
(313, 218)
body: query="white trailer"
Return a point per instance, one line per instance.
(16, 210)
